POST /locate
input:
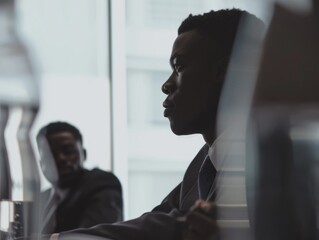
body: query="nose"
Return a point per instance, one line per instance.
(61, 159)
(169, 86)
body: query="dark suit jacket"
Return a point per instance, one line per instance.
(161, 222)
(96, 198)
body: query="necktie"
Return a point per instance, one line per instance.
(206, 178)
(49, 221)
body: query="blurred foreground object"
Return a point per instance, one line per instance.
(18, 96)
(232, 210)
(267, 185)
(283, 133)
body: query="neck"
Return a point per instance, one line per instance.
(210, 137)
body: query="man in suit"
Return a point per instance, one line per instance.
(199, 61)
(79, 198)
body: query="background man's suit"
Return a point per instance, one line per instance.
(96, 198)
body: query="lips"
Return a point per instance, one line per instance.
(168, 108)
(167, 112)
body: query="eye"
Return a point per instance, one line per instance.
(178, 68)
(177, 64)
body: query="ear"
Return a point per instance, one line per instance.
(82, 157)
(84, 154)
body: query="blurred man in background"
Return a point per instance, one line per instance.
(79, 198)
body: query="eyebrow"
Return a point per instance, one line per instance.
(62, 143)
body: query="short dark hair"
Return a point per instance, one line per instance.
(56, 127)
(220, 26)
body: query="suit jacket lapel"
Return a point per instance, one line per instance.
(189, 190)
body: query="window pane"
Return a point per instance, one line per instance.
(69, 40)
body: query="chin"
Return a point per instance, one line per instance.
(175, 129)
(179, 131)
(69, 180)
(67, 183)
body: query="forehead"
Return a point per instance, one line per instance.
(61, 138)
(191, 44)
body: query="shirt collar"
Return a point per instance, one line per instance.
(218, 150)
(211, 156)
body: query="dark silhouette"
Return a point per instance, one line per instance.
(199, 61)
(79, 198)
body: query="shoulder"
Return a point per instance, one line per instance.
(101, 177)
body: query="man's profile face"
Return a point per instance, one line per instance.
(192, 87)
(68, 155)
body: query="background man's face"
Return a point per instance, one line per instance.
(67, 153)
(192, 88)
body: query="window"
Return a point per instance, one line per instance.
(70, 47)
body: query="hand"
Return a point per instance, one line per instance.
(201, 220)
